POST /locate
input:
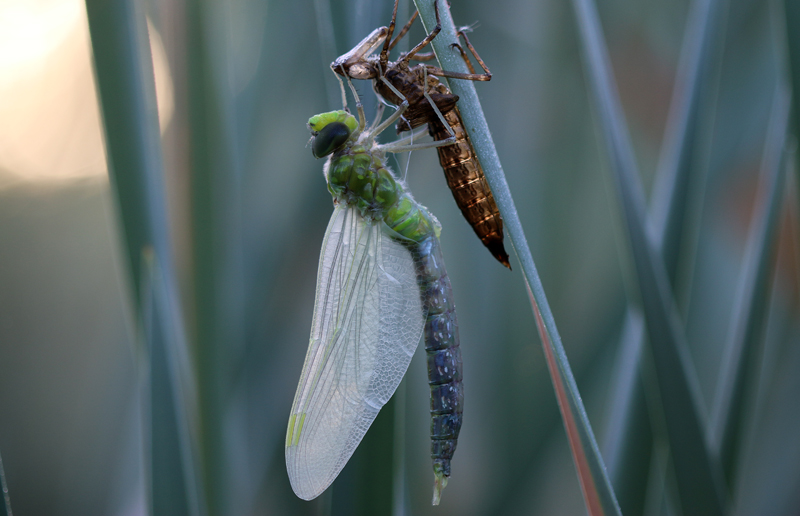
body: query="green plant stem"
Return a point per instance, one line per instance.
(792, 18)
(627, 447)
(126, 88)
(214, 208)
(737, 374)
(698, 476)
(598, 493)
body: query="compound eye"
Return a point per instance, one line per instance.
(330, 138)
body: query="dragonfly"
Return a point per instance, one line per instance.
(432, 103)
(381, 285)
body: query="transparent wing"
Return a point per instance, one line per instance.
(368, 319)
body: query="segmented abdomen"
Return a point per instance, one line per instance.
(468, 183)
(460, 164)
(418, 230)
(443, 354)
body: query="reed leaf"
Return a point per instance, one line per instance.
(174, 489)
(124, 70)
(704, 33)
(792, 18)
(628, 441)
(628, 445)
(698, 476)
(214, 183)
(737, 377)
(596, 487)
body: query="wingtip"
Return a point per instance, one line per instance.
(305, 487)
(305, 492)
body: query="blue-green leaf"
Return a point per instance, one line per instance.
(628, 437)
(598, 493)
(737, 374)
(124, 70)
(697, 473)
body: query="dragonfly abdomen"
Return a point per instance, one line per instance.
(358, 178)
(443, 357)
(468, 183)
(461, 167)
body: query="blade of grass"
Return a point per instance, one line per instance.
(626, 372)
(792, 18)
(596, 487)
(791, 35)
(737, 374)
(656, 496)
(629, 421)
(670, 191)
(399, 452)
(167, 490)
(628, 443)
(6, 505)
(215, 189)
(124, 72)
(359, 491)
(172, 491)
(698, 475)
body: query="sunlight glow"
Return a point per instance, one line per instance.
(51, 127)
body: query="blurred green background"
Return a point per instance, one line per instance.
(71, 368)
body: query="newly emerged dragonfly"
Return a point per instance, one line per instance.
(381, 284)
(431, 102)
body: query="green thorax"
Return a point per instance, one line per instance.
(357, 176)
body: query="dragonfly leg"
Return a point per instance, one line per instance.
(402, 145)
(464, 57)
(362, 119)
(422, 44)
(427, 56)
(394, 147)
(391, 147)
(435, 70)
(416, 135)
(404, 30)
(472, 76)
(409, 140)
(394, 116)
(462, 32)
(452, 137)
(344, 93)
(388, 44)
(389, 85)
(378, 115)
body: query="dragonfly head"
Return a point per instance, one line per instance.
(330, 131)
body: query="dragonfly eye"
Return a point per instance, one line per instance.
(329, 138)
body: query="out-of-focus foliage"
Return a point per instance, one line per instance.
(70, 417)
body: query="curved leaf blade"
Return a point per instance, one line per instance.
(737, 375)
(698, 475)
(628, 443)
(126, 88)
(598, 494)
